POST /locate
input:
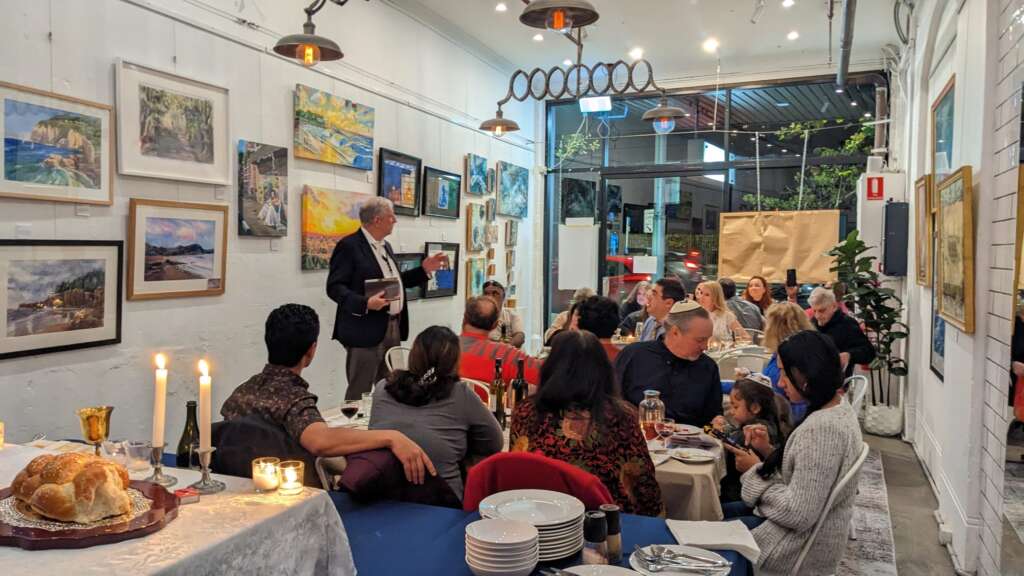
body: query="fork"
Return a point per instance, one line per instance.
(654, 567)
(659, 551)
(702, 564)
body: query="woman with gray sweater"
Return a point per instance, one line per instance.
(789, 489)
(431, 405)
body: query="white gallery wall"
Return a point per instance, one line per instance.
(429, 92)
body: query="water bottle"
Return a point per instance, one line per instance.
(652, 412)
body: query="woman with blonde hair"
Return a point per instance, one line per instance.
(726, 327)
(782, 320)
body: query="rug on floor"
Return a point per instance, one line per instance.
(1013, 496)
(873, 552)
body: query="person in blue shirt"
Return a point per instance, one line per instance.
(782, 320)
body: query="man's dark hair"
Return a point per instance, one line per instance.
(672, 288)
(481, 313)
(289, 333)
(728, 287)
(600, 315)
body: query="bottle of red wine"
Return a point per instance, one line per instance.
(519, 386)
(185, 455)
(497, 395)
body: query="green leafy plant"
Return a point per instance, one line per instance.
(572, 145)
(879, 309)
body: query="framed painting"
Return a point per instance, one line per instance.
(59, 295)
(510, 259)
(176, 249)
(578, 198)
(513, 189)
(327, 217)
(445, 281)
(491, 184)
(171, 127)
(398, 180)
(955, 271)
(55, 147)
(491, 209)
(442, 193)
(491, 234)
(332, 129)
(476, 175)
(511, 233)
(943, 116)
(410, 261)
(476, 225)
(476, 275)
(262, 189)
(923, 229)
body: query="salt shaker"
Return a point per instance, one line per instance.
(614, 539)
(595, 534)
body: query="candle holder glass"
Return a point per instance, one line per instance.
(206, 484)
(156, 454)
(265, 474)
(291, 473)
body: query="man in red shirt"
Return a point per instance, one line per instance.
(479, 352)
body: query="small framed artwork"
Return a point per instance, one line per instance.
(491, 184)
(55, 147)
(476, 175)
(955, 246)
(476, 275)
(923, 229)
(492, 269)
(510, 259)
(410, 261)
(492, 209)
(491, 234)
(176, 249)
(511, 233)
(262, 189)
(398, 180)
(332, 129)
(445, 281)
(490, 254)
(442, 193)
(513, 188)
(59, 295)
(475, 227)
(171, 127)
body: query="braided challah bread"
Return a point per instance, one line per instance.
(73, 487)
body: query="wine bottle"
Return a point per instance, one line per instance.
(519, 386)
(185, 455)
(497, 394)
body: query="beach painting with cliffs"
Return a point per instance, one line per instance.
(49, 146)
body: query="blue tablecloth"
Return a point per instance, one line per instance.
(401, 538)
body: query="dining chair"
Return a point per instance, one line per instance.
(752, 358)
(856, 388)
(329, 469)
(396, 358)
(531, 470)
(482, 389)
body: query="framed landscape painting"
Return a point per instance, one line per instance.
(176, 249)
(59, 295)
(923, 229)
(398, 180)
(406, 262)
(327, 217)
(442, 193)
(171, 127)
(262, 189)
(55, 147)
(476, 175)
(955, 271)
(332, 129)
(445, 281)
(476, 224)
(513, 188)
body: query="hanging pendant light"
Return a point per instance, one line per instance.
(499, 125)
(559, 15)
(663, 117)
(308, 48)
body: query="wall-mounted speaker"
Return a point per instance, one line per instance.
(895, 248)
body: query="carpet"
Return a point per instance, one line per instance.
(873, 552)
(1013, 497)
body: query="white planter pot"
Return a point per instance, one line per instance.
(883, 420)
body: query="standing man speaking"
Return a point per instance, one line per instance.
(369, 325)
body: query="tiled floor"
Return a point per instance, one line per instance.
(1013, 494)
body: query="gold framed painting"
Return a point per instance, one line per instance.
(176, 249)
(923, 229)
(955, 249)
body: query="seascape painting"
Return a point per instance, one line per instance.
(399, 181)
(175, 126)
(476, 175)
(262, 189)
(44, 145)
(179, 249)
(476, 225)
(332, 129)
(46, 296)
(513, 188)
(327, 217)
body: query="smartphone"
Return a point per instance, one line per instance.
(712, 431)
(791, 277)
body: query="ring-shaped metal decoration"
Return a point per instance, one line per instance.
(538, 84)
(514, 85)
(580, 80)
(556, 82)
(600, 78)
(648, 82)
(625, 73)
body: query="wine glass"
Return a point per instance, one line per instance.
(349, 410)
(665, 429)
(95, 424)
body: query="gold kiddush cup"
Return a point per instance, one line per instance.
(95, 423)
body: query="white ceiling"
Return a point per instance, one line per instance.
(671, 32)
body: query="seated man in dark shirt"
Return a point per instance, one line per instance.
(675, 366)
(279, 395)
(853, 345)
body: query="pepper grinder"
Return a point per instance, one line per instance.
(595, 534)
(614, 540)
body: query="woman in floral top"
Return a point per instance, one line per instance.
(577, 416)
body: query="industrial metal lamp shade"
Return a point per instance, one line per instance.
(560, 15)
(664, 112)
(308, 48)
(499, 125)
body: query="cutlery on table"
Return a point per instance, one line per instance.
(664, 552)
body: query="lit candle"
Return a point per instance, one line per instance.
(204, 405)
(264, 474)
(159, 401)
(291, 472)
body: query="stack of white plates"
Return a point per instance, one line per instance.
(558, 518)
(496, 547)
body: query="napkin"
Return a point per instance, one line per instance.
(659, 458)
(732, 535)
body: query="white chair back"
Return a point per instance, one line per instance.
(396, 358)
(850, 475)
(856, 389)
(753, 358)
(756, 336)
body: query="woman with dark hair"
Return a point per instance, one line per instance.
(790, 488)
(428, 402)
(579, 417)
(757, 292)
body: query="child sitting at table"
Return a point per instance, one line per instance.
(752, 402)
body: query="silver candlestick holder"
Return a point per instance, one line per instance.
(207, 485)
(158, 477)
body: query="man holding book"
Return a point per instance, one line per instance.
(369, 288)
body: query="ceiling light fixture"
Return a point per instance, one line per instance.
(782, 104)
(710, 45)
(499, 125)
(566, 62)
(793, 35)
(501, 7)
(867, 114)
(788, 3)
(559, 15)
(538, 37)
(636, 53)
(308, 48)
(664, 116)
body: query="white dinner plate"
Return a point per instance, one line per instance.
(635, 564)
(686, 430)
(560, 531)
(503, 564)
(571, 537)
(693, 455)
(501, 531)
(474, 549)
(524, 568)
(599, 570)
(536, 507)
(562, 550)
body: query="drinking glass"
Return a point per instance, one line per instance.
(116, 451)
(349, 410)
(138, 454)
(367, 404)
(665, 428)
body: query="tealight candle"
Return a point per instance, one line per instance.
(265, 474)
(1, 434)
(290, 473)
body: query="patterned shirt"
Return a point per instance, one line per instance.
(277, 395)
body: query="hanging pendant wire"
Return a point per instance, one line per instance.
(757, 162)
(803, 170)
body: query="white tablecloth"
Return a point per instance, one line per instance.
(234, 532)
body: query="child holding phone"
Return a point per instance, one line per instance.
(753, 403)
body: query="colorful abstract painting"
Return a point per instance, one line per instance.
(442, 193)
(476, 275)
(398, 180)
(327, 217)
(513, 188)
(476, 175)
(476, 224)
(444, 281)
(262, 189)
(332, 129)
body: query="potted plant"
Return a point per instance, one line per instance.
(880, 311)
